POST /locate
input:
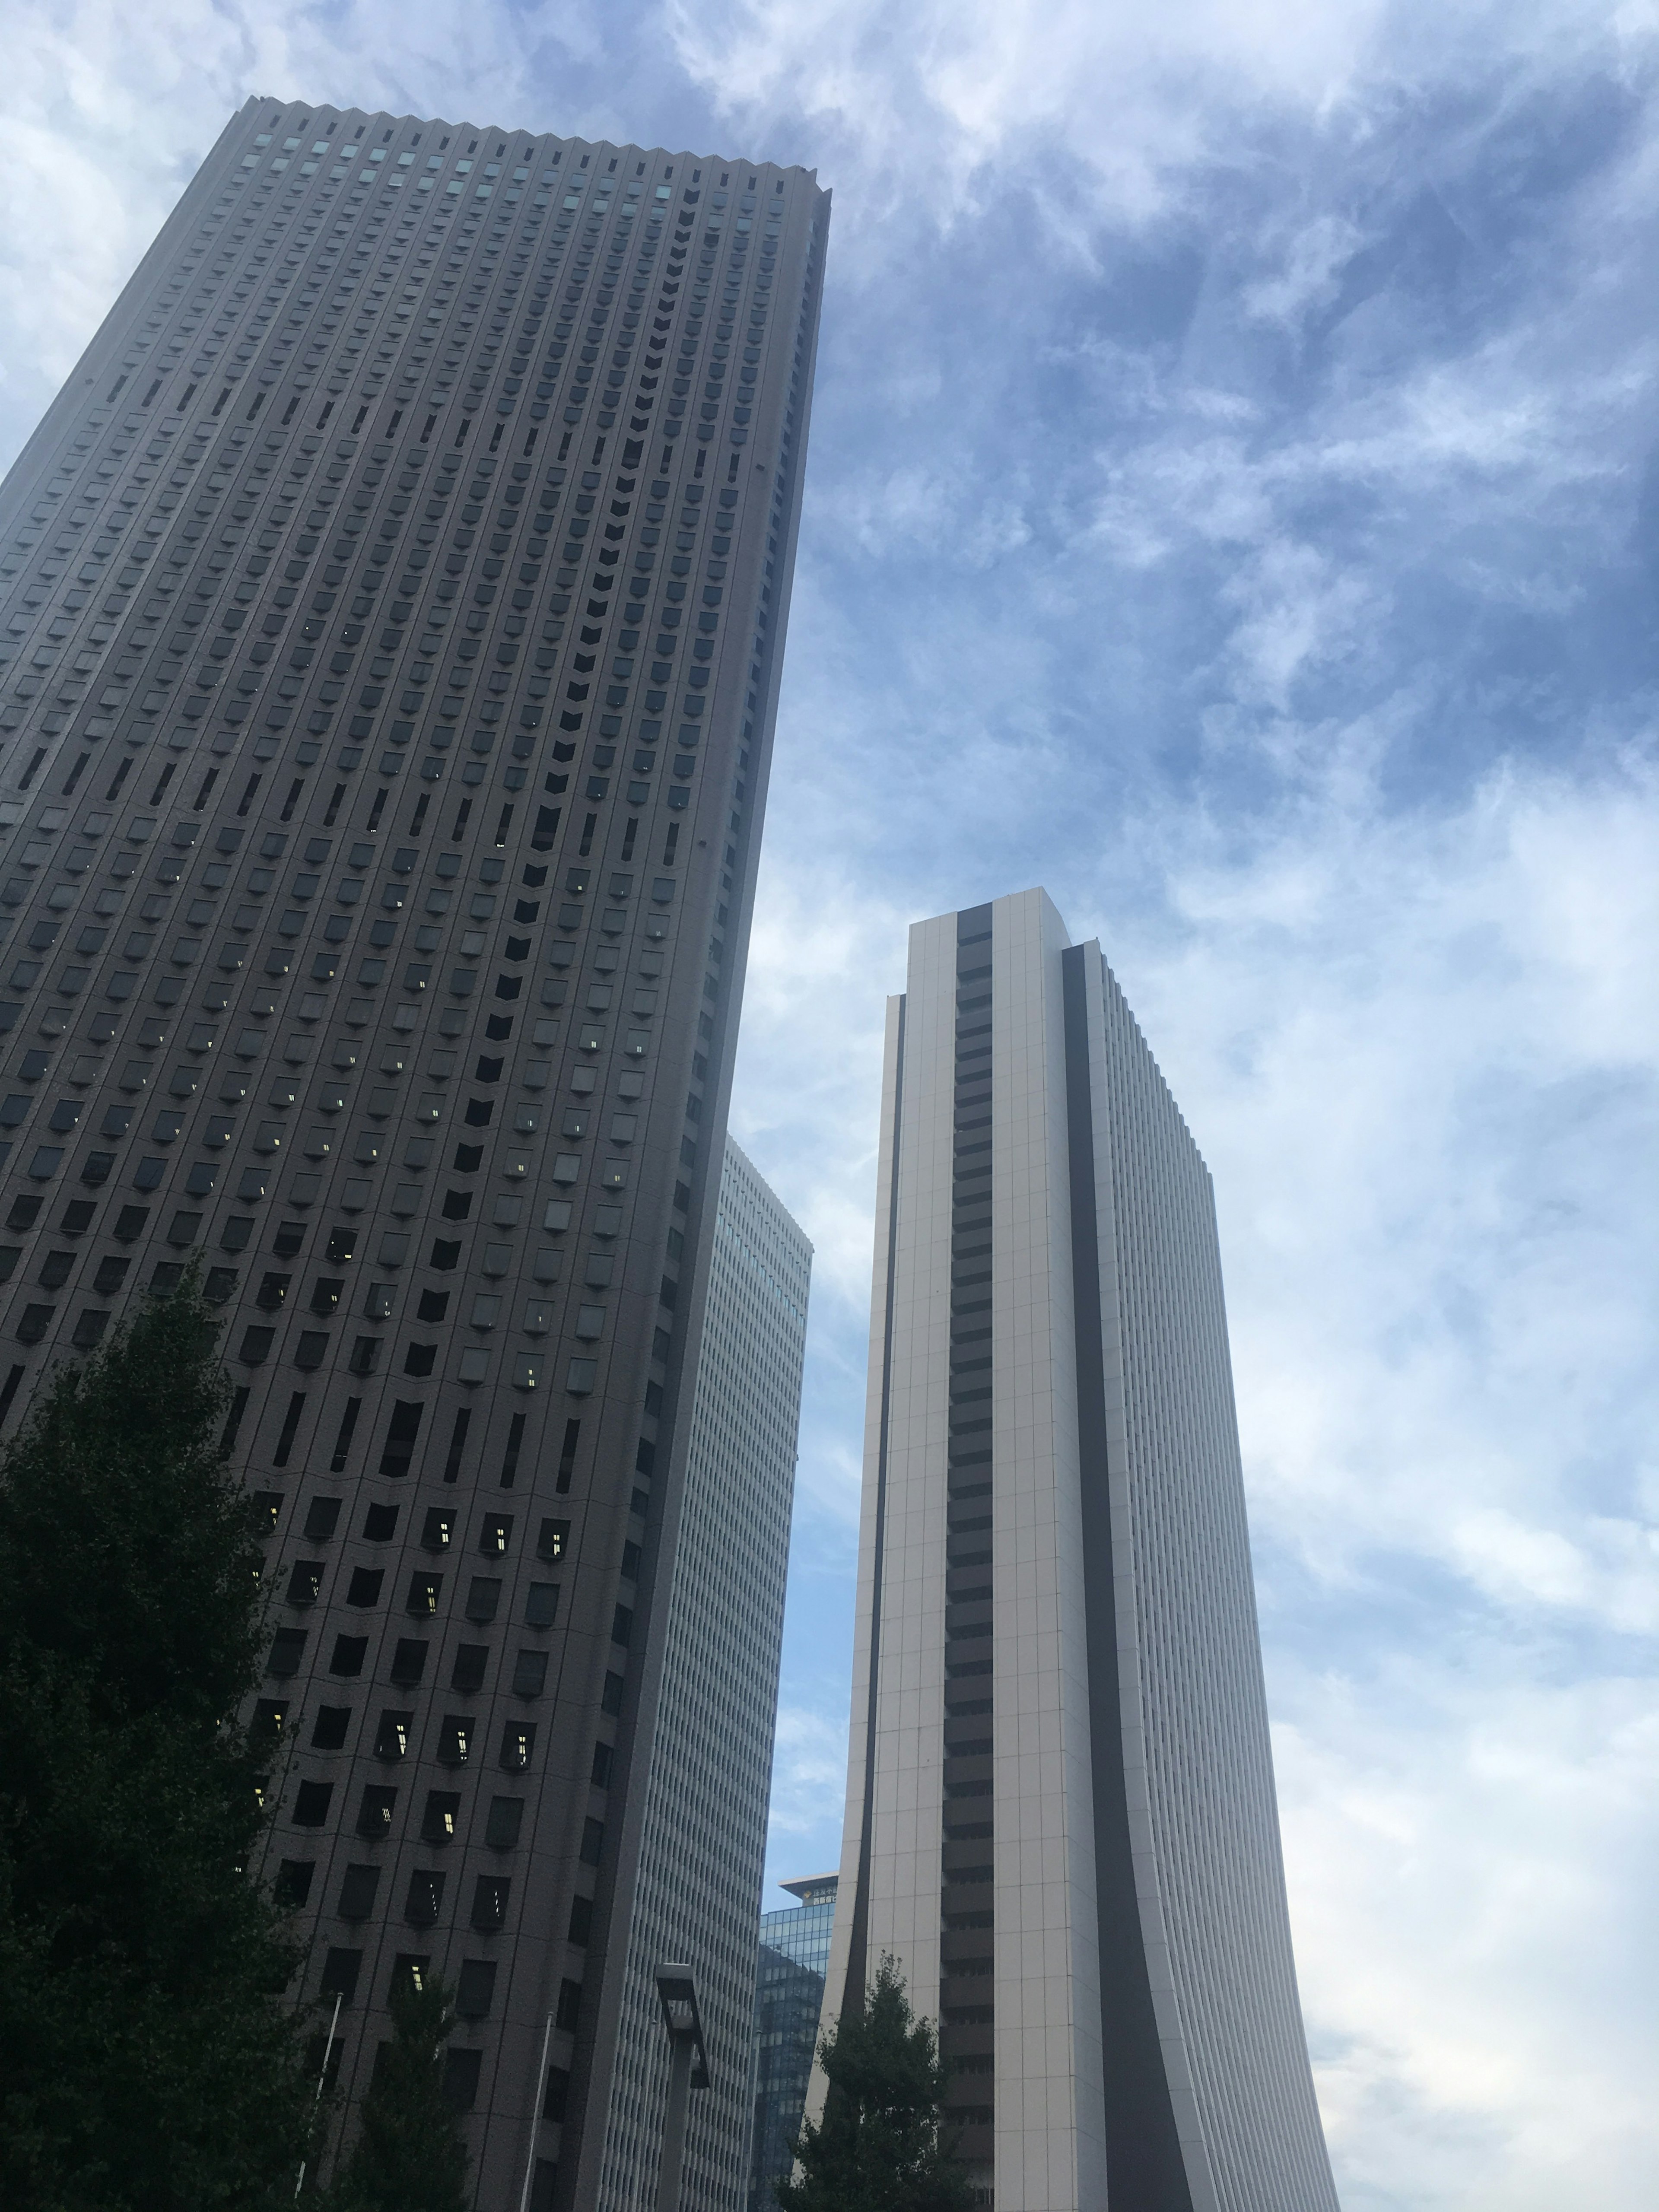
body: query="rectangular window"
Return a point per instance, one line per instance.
(340, 1973)
(455, 1739)
(440, 1823)
(506, 1818)
(357, 1891)
(375, 1813)
(477, 1989)
(409, 1660)
(310, 1801)
(425, 1899)
(460, 2081)
(489, 1897)
(530, 1674)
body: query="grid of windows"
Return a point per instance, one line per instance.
(701, 1864)
(794, 1960)
(390, 620)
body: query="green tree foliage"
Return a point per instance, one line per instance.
(881, 2146)
(410, 2156)
(147, 2063)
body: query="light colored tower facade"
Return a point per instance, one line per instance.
(703, 1848)
(1060, 1813)
(392, 608)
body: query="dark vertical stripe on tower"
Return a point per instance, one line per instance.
(853, 1994)
(1146, 2171)
(967, 1930)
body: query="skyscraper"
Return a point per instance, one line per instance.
(794, 1959)
(1061, 1813)
(703, 1851)
(392, 605)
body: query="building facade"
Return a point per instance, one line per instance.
(1061, 1813)
(391, 613)
(704, 1848)
(794, 1961)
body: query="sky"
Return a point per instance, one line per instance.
(1232, 501)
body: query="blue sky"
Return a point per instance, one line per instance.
(1232, 502)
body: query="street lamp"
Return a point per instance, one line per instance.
(687, 2069)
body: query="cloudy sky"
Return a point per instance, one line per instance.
(1233, 502)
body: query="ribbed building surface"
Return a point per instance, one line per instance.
(704, 1850)
(391, 613)
(1060, 1811)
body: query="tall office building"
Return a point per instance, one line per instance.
(391, 604)
(703, 1852)
(1060, 1813)
(794, 1959)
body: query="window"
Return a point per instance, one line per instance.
(357, 1891)
(461, 2071)
(476, 1989)
(350, 1652)
(425, 1899)
(287, 1650)
(321, 1519)
(599, 1774)
(310, 1801)
(440, 1822)
(293, 1884)
(506, 1818)
(409, 1660)
(542, 1605)
(553, 1539)
(423, 1593)
(439, 1532)
(489, 1897)
(455, 1739)
(518, 1745)
(530, 1674)
(375, 1813)
(495, 1535)
(305, 1582)
(341, 1969)
(471, 1661)
(380, 1524)
(328, 1730)
(391, 1739)
(569, 2006)
(484, 1599)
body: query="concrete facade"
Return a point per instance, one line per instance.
(392, 609)
(1060, 1813)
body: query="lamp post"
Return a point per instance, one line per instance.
(687, 2069)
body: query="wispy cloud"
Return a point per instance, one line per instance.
(1231, 503)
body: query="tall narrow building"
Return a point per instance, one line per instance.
(794, 1958)
(391, 606)
(703, 1851)
(1060, 1814)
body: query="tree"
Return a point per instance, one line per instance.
(410, 2156)
(147, 2062)
(880, 2147)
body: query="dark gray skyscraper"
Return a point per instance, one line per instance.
(1061, 1813)
(390, 607)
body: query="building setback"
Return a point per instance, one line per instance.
(1061, 1813)
(794, 1958)
(704, 1847)
(390, 606)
